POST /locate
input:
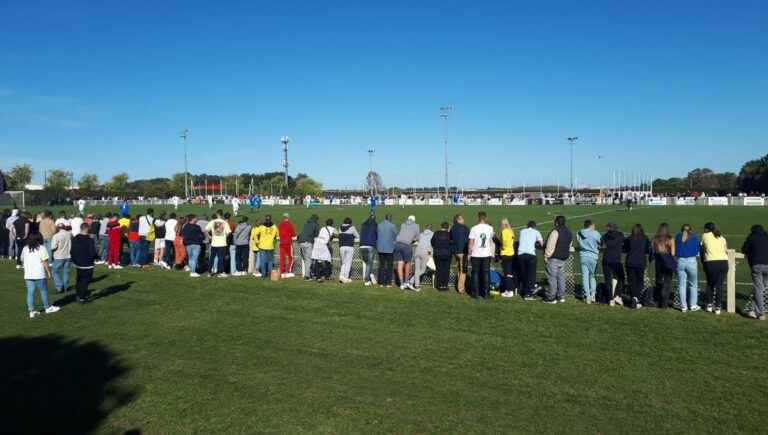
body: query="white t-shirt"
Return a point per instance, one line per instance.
(170, 229)
(62, 221)
(81, 204)
(75, 224)
(528, 238)
(235, 202)
(482, 234)
(144, 224)
(33, 262)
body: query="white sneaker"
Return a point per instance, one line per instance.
(283, 275)
(416, 289)
(695, 308)
(709, 308)
(367, 284)
(222, 275)
(403, 287)
(118, 267)
(290, 275)
(193, 275)
(508, 294)
(562, 300)
(18, 267)
(109, 266)
(410, 286)
(52, 309)
(257, 275)
(186, 268)
(373, 279)
(683, 310)
(717, 311)
(33, 314)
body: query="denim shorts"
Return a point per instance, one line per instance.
(403, 252)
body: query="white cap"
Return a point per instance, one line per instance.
(412, 218)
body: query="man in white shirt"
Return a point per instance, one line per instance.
(81, 206)
(235, 205)
(145, 226)
(170, 236)
(530, 239)
(481, 251)
(75, 224)
(175, 201)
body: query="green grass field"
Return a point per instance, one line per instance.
(158, 352)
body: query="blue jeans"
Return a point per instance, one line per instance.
(266, 262)
(588, 273)
(104, 242)
(144, 250)
(47, 244)
(60, 272)
(193, 251)
(41, 285)
(232, 259)
(687, 277)
(135, 252)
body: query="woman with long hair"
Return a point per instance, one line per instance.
(507, 254)
(687, 246)
(34, 257)
(714, 258)
(638, 250)
(664, 255)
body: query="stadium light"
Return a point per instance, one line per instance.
(285, 140)
(572, 140)
(444, 111)
(183, 136)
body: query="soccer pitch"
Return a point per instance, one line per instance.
(158, 352)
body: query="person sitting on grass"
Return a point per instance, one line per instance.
(34, 257)
(83, 254)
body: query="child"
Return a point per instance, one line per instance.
(83, 253)
(34, 257)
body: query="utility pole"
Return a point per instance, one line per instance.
(183, 135)
(572, 140)
(285, 140)
(444, 111)
(371, 152)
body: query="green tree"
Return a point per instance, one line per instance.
(89, 182)
(57, 183)
(19, 176)
(753, 177)
(307, 186)
(118, 183)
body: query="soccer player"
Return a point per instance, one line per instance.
(235, 205)
(81, 206)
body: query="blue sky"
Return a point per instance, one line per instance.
(656, 87)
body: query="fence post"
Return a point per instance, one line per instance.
(731, 280)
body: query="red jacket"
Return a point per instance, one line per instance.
(286, 231)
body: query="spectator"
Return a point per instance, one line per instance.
(61, 246)
(612, 244)
(459, 244)
(507, 254)
(589, 242)
(385, 245)
(305, 239)
(368, 239)
(241, 239)
(170, 236)
(267, 237)
(638, 250)
(403, 253)
(160, 242)
(530, 240)
(422, 256)
(287, 234)
(481, 251)
(348, 236)
(756, 250)
(664, 256)
(687, 245)
(321, 252)
(557, 252)
(193, 238)
(34, 257)
(715, 259)
(115, 234)
(441, 249)
(146, 231)
(83, 254)
(219, 230)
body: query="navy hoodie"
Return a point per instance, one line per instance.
(369, 232)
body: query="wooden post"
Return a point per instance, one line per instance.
(731, 280)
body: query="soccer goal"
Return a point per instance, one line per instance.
(12, 198)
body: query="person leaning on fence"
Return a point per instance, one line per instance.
(385, 246)
(83, 254)
(219, 230)
(612, 245)
(530, 240)
(638, 250)
(193, 238)
(459, 245)
(348, 236)
(589, 242)
(441, 250)
(403, 254)
(422, 255)
(687, 245)
(305, 240)
(321, 252)
(508, 258)
(241, 238)
(714, 257)
(254, 245)
(755, 249)
(285, 252)
(481, 251)
(368, 238)
(556, 253)
(664, 258)
(267, 239)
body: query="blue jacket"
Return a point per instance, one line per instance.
(589, 240)
(459, 238)
(689, 248)
(387, 233)
(369, 233)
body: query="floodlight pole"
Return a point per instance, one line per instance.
(572, 140)
(285, 140)
(371, 152)
(184, 134)
(444, 111)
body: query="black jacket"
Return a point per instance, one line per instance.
(192, 234)
(309, 232)
(638, 252)
(613, 245)
(83, 251)
(459, 238)
(756, 247)
(441, 243)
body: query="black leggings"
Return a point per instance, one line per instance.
(3, 243)
(611, 271)
(385, 268)
(241, 257)
(527, 273)
(509, 275)
(663, 284)
(20, 243)
(636, 278)
(322, 269)
(442, 274)
(716, 272)
(84, 277)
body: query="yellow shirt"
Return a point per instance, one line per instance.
(507, 242)
(124, 222)
(255, 238)
(714, 247)
(267, 237)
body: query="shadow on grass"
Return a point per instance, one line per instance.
(103, 293)
(51, 384)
